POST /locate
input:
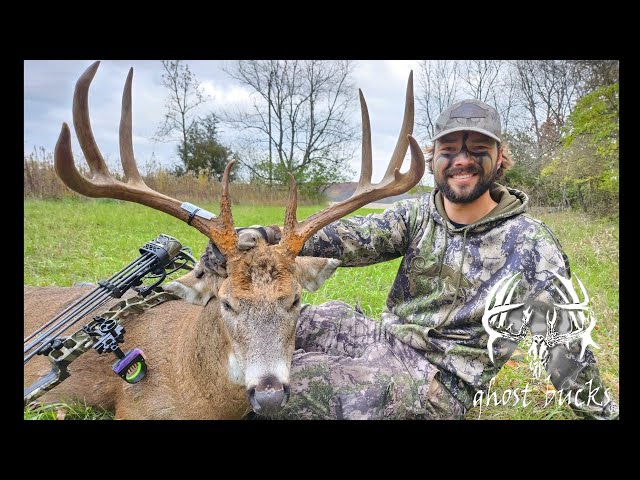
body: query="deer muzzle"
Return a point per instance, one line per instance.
(269, 396)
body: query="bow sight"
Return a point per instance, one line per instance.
(159, 258)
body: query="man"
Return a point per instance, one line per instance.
(429, 356)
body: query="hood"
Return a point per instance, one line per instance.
(510, 202)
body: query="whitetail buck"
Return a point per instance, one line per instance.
(228, 347)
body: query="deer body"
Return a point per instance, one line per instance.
(200, 365)
(186, 349)
(228, 347)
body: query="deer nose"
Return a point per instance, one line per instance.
(269, 396)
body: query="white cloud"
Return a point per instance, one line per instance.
(226, 96)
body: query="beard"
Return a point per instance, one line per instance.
(466, 196)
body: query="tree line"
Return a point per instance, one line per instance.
(560, 122)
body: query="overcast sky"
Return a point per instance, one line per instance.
(48, 94)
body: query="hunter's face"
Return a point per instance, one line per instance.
(465, 165)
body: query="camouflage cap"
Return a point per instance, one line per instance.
(471, 115)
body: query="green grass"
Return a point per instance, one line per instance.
(78, 240)
(65, 411)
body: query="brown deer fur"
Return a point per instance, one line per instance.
(187, 346)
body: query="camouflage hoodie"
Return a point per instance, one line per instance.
(438, 297)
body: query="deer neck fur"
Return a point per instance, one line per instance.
(209, 381)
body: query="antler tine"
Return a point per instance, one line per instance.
(575, 301)
(102, 185)
(367, 157)
(503, 316)
(497, 304)
(126, 134)
(222, 232)
(576, 310)
(494, 306)
(296, 233)
(82, 123)
(407, 129)
(290, 220)
(65, 167)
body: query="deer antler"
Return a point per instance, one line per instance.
(101, 184)
(394, 183)
(497, 304)
(576, 309)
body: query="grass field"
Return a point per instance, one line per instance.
(78, 240)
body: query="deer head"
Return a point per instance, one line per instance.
(258, 303)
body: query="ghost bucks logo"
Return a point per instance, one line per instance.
(576, 326)
(498, 304)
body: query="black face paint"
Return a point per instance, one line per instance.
(482, 166)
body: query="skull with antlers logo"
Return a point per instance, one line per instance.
(581, 321)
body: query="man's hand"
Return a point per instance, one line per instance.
(248, 237)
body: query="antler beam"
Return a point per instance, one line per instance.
(394, 183)
(102, 185)
(576, 311)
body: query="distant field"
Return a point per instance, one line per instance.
(76, 240)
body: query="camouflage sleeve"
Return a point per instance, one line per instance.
(544, 257)
(572, 370)
(364, 240)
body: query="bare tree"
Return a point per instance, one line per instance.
(185, 94)
(527, 93)
(480, 78)
(504, 96)
(437, 89)
(442, 81)
(299, 120)
(490, 81)
(557, 84)
(548, 89)
(596, 73)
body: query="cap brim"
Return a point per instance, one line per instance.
(472, 129)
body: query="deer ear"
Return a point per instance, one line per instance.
(312, 272)
(196, 287)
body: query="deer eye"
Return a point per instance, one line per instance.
(295, 303)
(227, 306)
